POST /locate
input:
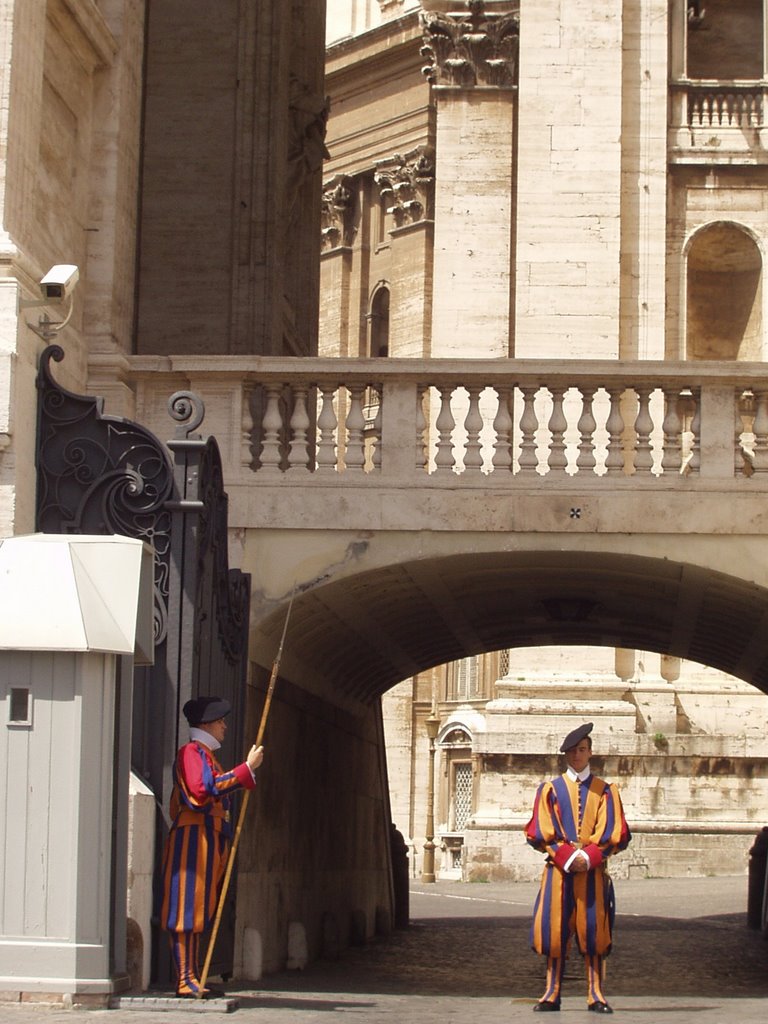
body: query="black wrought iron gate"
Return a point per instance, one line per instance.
(99, 474)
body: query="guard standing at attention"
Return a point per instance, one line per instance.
(578, 821)
(198, 843)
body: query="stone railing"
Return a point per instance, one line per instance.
(472, 423)
(717, 116)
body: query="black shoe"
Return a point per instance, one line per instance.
(547, 1006)
(599, 1008)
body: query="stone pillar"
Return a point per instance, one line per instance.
(471, 52)
(569, 172)
(407, 188)
(644, 78)
(339, 327)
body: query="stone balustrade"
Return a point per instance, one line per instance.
(473, 423)
(717, 116)
(725, 104)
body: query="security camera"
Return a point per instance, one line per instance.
(59, 283)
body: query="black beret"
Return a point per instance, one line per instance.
(206, 709)
(576, 736)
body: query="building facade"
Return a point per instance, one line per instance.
(551, 181)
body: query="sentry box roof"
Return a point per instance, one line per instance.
(77, 593)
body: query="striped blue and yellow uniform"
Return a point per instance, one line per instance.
(570, 815)
(198, 842)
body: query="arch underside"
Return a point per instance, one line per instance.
(352, 639)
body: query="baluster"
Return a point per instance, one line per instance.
(643, 428)
(502, 426)
(473, 424)
(422, 440)
(706, 111)
(742, 457)
(298, 452)
(327, 423)
(614, 460)
(354, 456)
(695, 102)
(587, 424)
(694, 463)
(272, 424)
(529, 459)
(730, 109)
(246, 429)
(557, 425)
(760, 429)
(672, 427)
(375, 434)
(445, 423)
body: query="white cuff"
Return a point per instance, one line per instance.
(572, 858)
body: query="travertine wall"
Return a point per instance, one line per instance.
(232, 153)
(313, 856)
(70, 127)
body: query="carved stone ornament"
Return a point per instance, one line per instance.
(308, 120)
(472, 47)
(336, 212)
(407, 185)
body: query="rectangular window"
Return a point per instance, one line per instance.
(20, 706)
(725, 39)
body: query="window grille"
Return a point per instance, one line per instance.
(462, 794)
(503, 663)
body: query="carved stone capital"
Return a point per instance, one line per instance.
(407, 185)
(337, 212)
(470, 47)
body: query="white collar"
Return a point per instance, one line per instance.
(581, 776)
(204, 737)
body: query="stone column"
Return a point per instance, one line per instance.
(407, 188)
(471, 55)
(339, 327)
(643, 200)
(569, 171)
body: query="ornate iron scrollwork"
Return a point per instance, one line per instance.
(99, 474)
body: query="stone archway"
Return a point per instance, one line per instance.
(386, 610)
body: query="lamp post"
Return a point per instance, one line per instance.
(428, 871)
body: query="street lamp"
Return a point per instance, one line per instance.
(428, 872)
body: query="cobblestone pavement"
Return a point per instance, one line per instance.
(682, 954)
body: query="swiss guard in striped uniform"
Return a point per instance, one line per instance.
(578, 821)
(198, 843)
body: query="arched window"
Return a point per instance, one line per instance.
(724, 295)
(378, 344)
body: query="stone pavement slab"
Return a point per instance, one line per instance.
(683, 956)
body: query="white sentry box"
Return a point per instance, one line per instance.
(75, 616)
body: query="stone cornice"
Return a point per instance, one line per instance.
(471, 47)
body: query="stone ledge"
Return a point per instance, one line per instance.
(161, 1003)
